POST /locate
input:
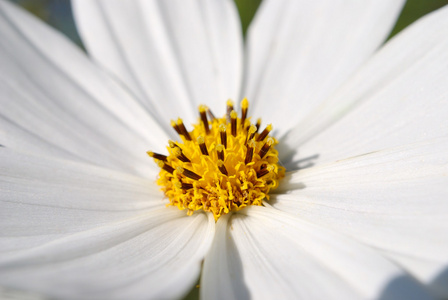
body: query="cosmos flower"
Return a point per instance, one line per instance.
(361, 213)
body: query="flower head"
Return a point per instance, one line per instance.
(360, 213)
(221, 166)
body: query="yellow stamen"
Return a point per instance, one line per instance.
(210, 114)
(258, 124)
(223, 135)
(217, 172)
(233, 122)
(220, 151)
(157, 156)
(183, 130)
(251, 133)
(175, 127)
(266, 147)
(229, 108)
(222, 167)
(180, 155)
(264, 133)
(250, 152)
(202, 146)
(203, 114)
(244, 108)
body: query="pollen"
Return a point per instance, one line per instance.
(222, 165)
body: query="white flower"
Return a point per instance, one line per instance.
(81, 216)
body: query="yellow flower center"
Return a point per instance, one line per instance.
(223, 165)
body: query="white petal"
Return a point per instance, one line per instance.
(151, 256)
(14, 294)
(300, 51)
(56, 102)
(263, 253)
(400, 96)
(45, 199)
(394, 201)
(173, 54)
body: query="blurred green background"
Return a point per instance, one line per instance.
(413, 10)
(58, 14)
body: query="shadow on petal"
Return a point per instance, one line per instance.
(404, 287)
(287, 154)
(440, 284)
(237, 272)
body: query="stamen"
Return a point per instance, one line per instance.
(223, 134)
(251, 133)
(229, 108)
(264, 133)
(181, 156)
(183, 185)
(174, 125)
(165, 167)
(258, 124)
(183, 130)
(263, 172)
(203, 114)
(266, 147)
(208, 170)
(222, 168)
(172, 144)
(244, 108)
(202, 145)
(230, 190)
(157, 156)
(233, 123)
(250, 152)
(188, 173)
(220, 151)
(210, 114)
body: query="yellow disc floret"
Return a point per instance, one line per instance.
(223, 165)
